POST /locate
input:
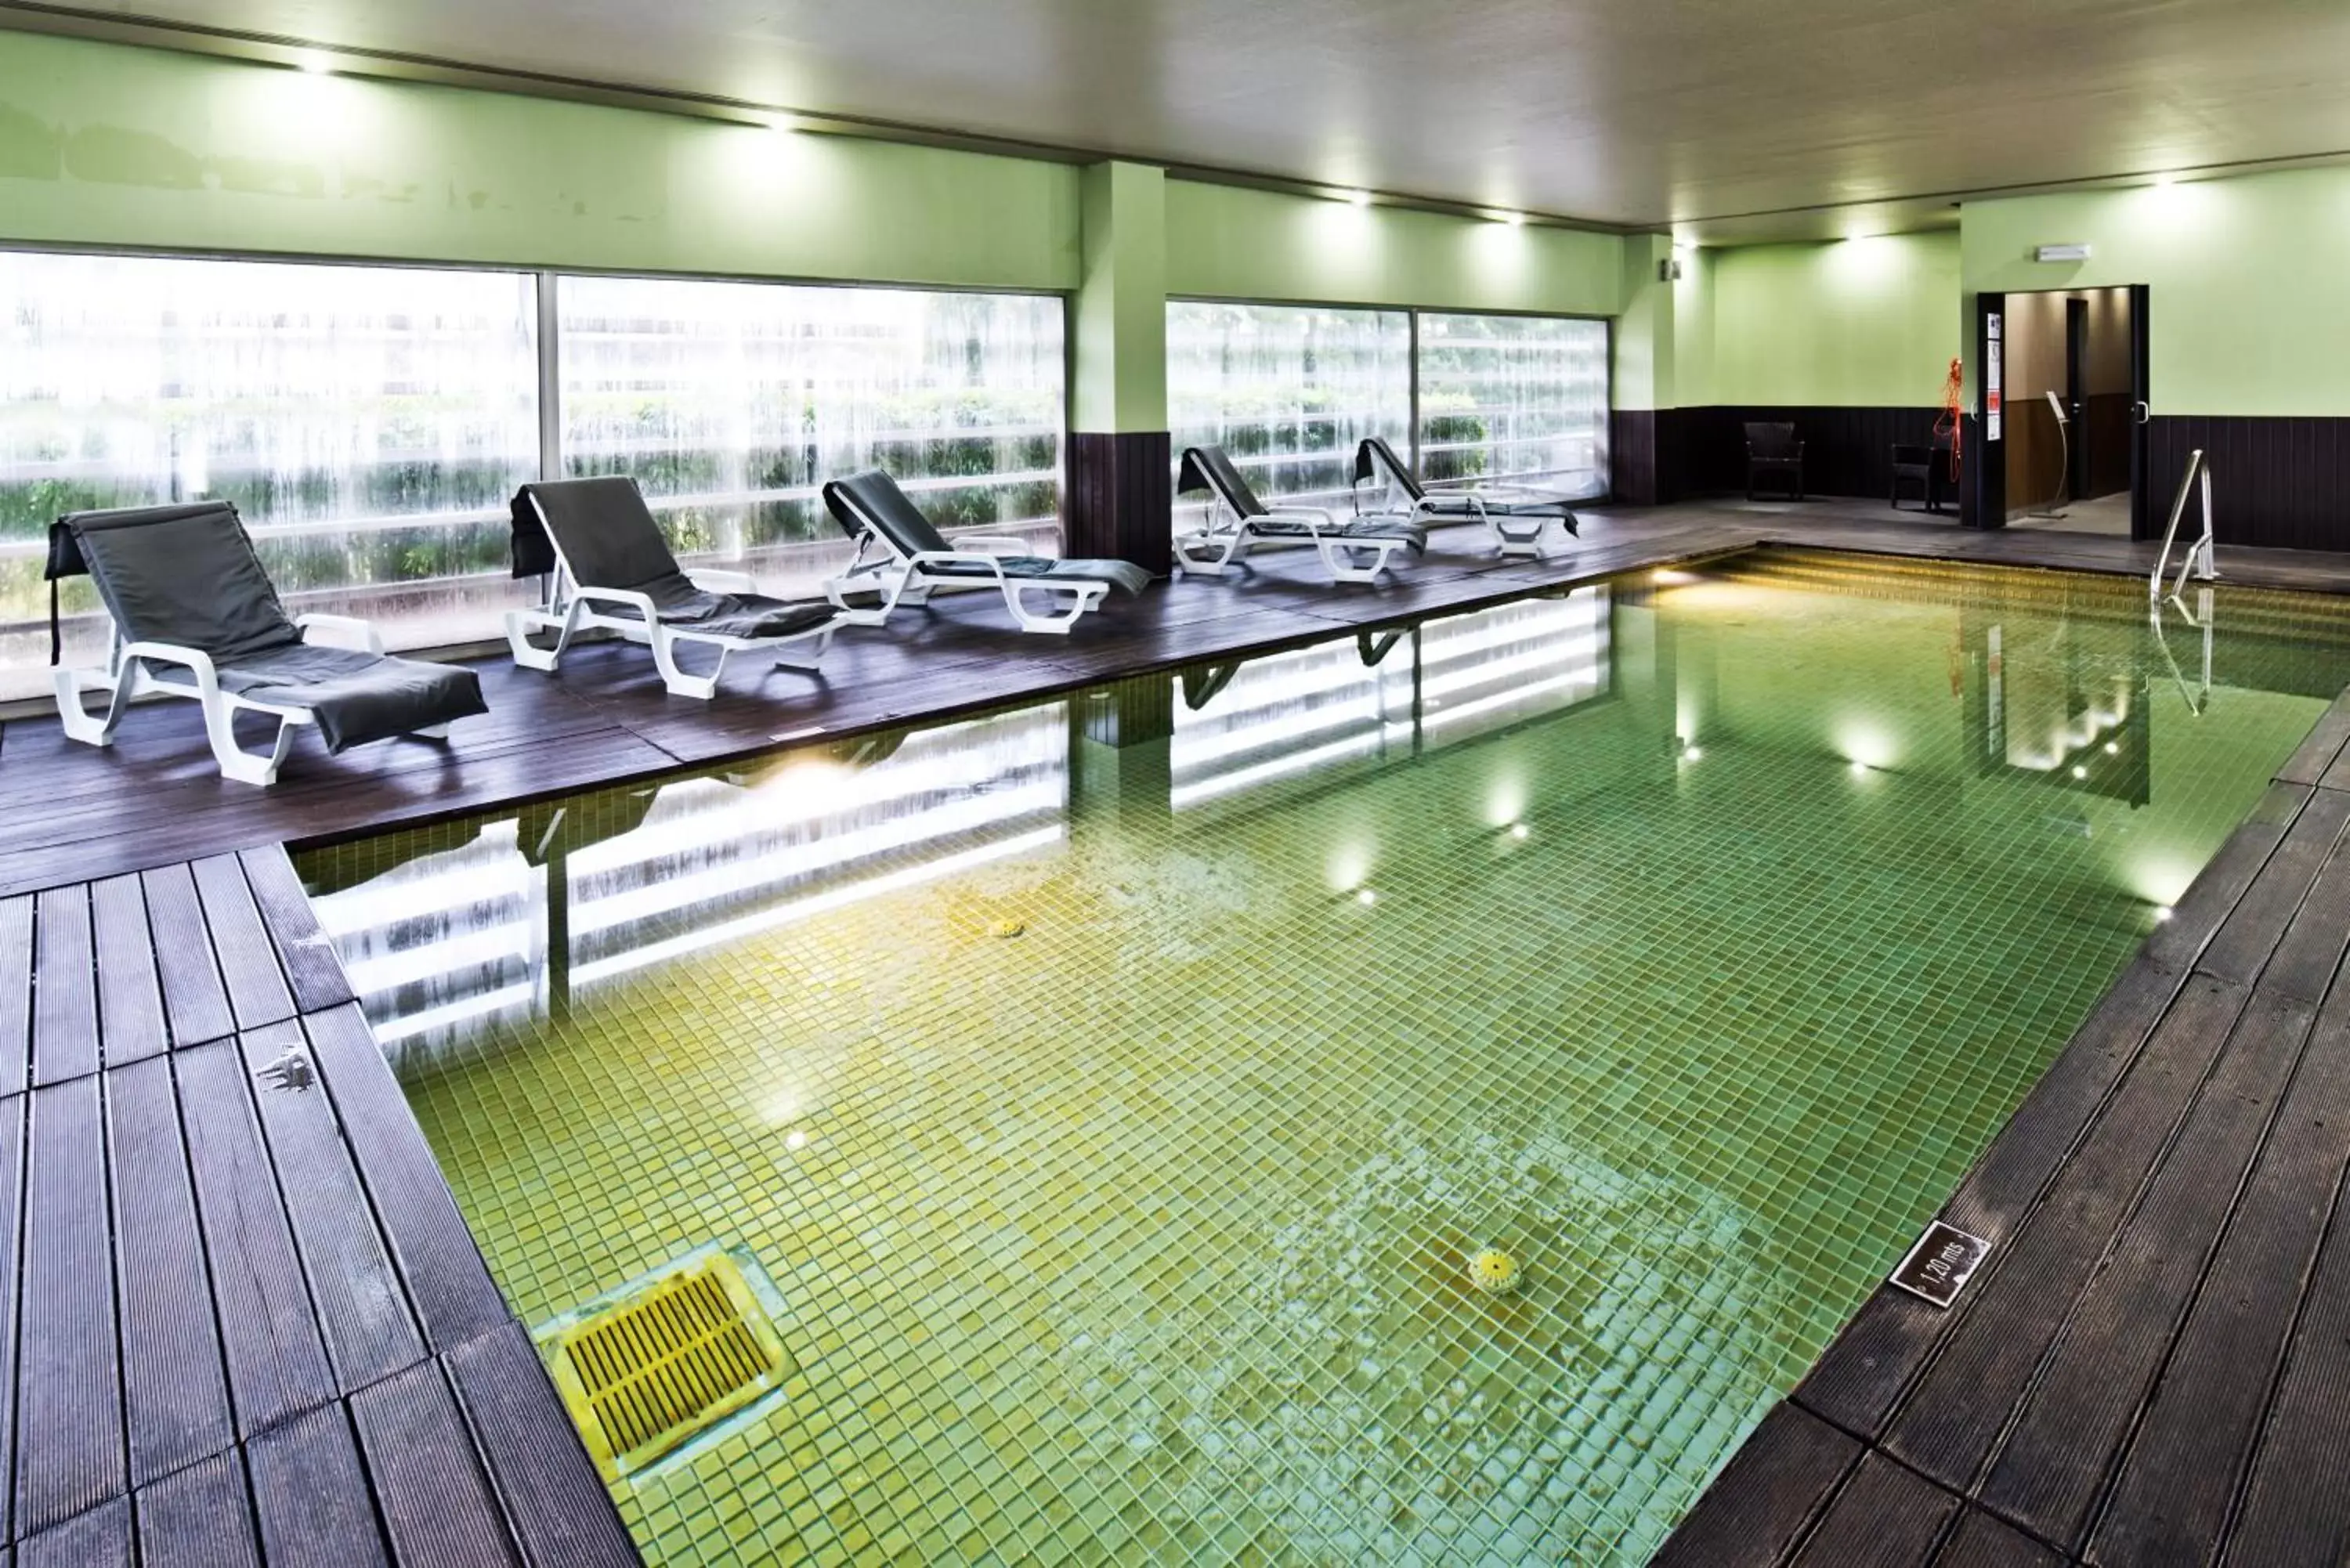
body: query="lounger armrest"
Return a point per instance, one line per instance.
(340, 631)
(921, 558)
(994, 543)
(641, 603)
(195, 661)
(1315, 518)
(722, 580)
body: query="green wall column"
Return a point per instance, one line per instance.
(1120, 492)
(1642, 451)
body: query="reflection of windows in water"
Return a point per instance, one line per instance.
(445, 939)
(1301, 714)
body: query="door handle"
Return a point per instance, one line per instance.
(2141, 412)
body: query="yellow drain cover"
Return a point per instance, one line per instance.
(656, 1365)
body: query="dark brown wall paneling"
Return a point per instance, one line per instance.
(1120, 501)
(1847, 452)
(2283, 482)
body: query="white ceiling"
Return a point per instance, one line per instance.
(1638, 112)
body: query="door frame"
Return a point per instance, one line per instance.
(1982, 474)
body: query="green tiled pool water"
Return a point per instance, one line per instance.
(1115, 1091)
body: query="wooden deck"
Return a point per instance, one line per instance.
(249, 1324)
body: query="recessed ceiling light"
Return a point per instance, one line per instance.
(783, 123)
(315, 62)
(1358, 198)
(1515, 220)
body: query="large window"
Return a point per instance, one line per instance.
(1514, 396)
(1288, 391)
(369, 422)
(732, 403)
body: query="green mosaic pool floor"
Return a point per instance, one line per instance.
(1117, 1100)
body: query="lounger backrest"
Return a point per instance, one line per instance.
(609, 537)
(1375, 459)
(873, 498)
(1207, 468)
(181, 574)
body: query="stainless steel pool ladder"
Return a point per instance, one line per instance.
(2199, 559)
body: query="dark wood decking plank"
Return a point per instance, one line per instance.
(310, 1495)
(257, 992)
(2069, 1430)
(312, 970)
(129, 997)
(269, 1331)
(560, 1508)
(447, 1280)
(12, 1176)
(1983, 1542)
(2295, 1508)
(1885, 1516)
(436, 1504)
(2170, 1502)
(362, 1310)
(1767, 1495)
(1855, 1382)
(1946, 1427)
(68, 1374)
(16, 994)
(2242, 947)
(200, 1517)
(175, 1393)
(99, 1539)
(195, 1003)
(65, 989)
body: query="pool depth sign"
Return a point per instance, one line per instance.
(1938, 1267)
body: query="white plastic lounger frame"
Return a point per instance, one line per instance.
(568, 610)
(1228, 537)
(126, 677)
(881, 567)
(1514, 535)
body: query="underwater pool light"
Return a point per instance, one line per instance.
(2113, 748)
(1518, 830)
(1859, 769)
(1692, 754)
(2161, 913)
(1366, 896)
(2079, 772)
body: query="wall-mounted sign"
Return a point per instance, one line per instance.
(1938, 1267)
(2070, 252)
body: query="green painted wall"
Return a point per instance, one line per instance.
(1228, 242)
(2247, 312)
(1693, 377)
(105, 145)
(1122, 311)
(1864, 323)
(1643, 375)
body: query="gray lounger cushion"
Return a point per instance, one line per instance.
(188, 575)
(913, 534)
(611, 539)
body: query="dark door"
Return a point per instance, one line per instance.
(1983, 479)
(2142, 526)
(2076, 398)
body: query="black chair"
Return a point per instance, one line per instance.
(1926, 467)
(1772, 451)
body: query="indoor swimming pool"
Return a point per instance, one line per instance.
(1414, 1098)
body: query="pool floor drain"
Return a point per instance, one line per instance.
(647, 1368)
